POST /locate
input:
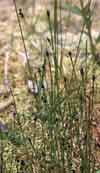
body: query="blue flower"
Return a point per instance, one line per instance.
(3, 127)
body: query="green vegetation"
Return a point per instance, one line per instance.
(52, 133)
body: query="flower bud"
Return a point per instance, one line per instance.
(48, 13)
(82, 71)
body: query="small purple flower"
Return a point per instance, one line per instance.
(3, 127)
(14, 114)
(32, 87)
(6, 82)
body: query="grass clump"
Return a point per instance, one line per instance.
(55, 135)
